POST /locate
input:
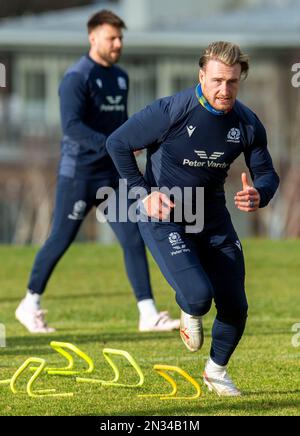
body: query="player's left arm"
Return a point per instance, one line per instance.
(264, 177)
(136, 152)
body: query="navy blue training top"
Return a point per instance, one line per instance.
(188, 146)
(93, 103)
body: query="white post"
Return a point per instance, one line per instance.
(2, 336)
(2, 76)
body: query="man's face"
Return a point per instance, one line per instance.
(106, 44)
(220, 84)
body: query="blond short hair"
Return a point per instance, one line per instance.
(226, 52)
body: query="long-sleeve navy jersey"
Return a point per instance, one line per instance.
(188, 146)
(93, 103)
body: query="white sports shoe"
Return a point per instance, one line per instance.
(160, 323)
(221, 384)
(191, 331)
(33, 320)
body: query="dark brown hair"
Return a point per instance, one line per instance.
(105, 17)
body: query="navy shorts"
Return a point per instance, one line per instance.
(201, 267)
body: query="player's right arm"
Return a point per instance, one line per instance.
(143, 129)
(73, 100)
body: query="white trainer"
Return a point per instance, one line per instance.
(33, 320)
(221, 384)
(191, 331)
(162, 322)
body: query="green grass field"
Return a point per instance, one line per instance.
(91, 305)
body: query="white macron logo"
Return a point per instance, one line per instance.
(202, 154)
(99, 83)
(238, 244)
(190, 130)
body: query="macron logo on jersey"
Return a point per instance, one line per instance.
(190, 130)
(99, 83)
(238, 244)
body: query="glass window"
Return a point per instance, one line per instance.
(35, 86)
(34, 95)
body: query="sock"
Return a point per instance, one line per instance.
(147, 308)
(212, 367)
(32, 301)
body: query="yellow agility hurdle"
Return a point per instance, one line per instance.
(37, 373)
(161, 370)
(60, 347)
(106, 353)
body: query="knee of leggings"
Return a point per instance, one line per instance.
(196, 308)
(58, 243)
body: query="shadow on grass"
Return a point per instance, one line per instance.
(267, 333)
(67, 296)
(218, 407)
(10, 300)
(261, 393)
(84, 296)
(17, 345)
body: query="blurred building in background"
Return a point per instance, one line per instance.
(162, 47)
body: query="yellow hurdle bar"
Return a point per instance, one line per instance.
(160, 369)
(68, 370)
(106, 353)
(37, 373)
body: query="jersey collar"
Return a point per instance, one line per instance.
(202, 100)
